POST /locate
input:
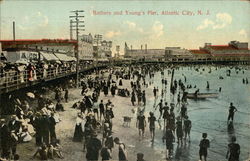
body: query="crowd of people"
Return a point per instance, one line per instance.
(95, 116)
(22, 72)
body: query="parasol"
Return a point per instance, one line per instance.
(31, 95)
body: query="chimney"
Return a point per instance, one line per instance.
(131, 47)
(141, 47)
(146, 47)
(14, 31)
(208, 44)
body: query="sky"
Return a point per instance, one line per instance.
(138, 22)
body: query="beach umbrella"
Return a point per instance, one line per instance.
(30, 94)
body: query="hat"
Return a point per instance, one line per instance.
(204, 135)
(140, 156)
(13, 117)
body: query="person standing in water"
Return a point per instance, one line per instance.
(204, 145)
(187, 128)
(169, 138)
(141, 124)
(232, 110)
(233, 152)
(208, 85)
(160, 108)
(122, 155)
(151, 120)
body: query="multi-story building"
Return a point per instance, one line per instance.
(234, 51)
(85, 47)
(144, 54)
(105, 49)
(102, 50)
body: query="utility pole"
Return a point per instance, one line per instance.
(78, 27)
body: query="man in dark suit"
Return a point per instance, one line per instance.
(52, 126)
(5, 139)
(44, 124)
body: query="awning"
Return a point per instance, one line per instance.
(102, 59)
(49, 56)
(63, 57)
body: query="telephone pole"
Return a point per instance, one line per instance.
(77, 20)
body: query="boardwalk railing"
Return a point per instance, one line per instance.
(12, 79)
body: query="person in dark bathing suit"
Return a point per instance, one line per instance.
(204, 145)
(232, 110)
(122, 155)
(151, 121)
(233, 152)
(141, 124)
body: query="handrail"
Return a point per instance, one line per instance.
(15, 79)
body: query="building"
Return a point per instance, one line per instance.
(105, 49)
(234, 51)
(86, 47)
(68, 46)
(200, 55)
(35, 50)
(177, 54)
(102, 50)
(144, 54)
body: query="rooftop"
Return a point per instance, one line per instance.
(39, 41)
(197, 51)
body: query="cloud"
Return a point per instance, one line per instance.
(133, 26)
(34, 20)
(111, 34)
(43, 20)
(221, 21)
(130, 24)
(243, 33)
(157, 29)
(205, 24)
